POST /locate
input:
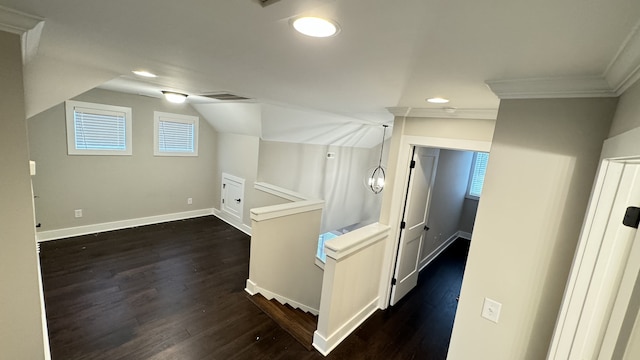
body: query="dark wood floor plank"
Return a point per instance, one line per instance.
(296, 322)
(176, 291)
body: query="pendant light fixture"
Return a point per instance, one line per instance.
(376, 180)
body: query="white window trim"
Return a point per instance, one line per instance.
(186, 119)
(71, 105)
(473, 165)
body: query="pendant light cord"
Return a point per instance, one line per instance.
(384, 133)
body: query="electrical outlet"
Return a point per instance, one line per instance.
(491, 310)
(189, 201)
(78, 213)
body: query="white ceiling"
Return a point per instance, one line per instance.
(389, 54)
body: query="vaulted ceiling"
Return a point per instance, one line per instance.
(389, 54)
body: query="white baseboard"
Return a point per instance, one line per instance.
(326, 345)
(253, 288)
(222, 216)
(117, 225)
(465, 235)
(434, 254)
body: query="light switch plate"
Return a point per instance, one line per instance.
(491, 310)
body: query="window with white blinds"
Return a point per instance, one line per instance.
(476, 179)
(97, 129)
(175, 134)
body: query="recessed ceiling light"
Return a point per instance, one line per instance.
(174, 97)
(144, 73)
(438, 100)
(315, 26)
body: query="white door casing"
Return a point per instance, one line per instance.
(232, 196)
(414, 222)
(598, 304)
(398, 193)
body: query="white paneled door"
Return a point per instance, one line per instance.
(414, 222)
(232, 201)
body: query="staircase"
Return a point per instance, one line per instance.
(296, 322)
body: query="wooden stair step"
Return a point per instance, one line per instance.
(296, 322)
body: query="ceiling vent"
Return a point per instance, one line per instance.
(267, 2)
(226, 97)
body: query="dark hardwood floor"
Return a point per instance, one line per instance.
(176, 291)
(299, 324)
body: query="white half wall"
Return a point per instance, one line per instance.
(284, 239)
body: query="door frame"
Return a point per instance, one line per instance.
(399, 190)
(406, 204)
(584, 294)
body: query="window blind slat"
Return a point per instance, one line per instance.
(478, 172)
(100, 130)
(176, 137)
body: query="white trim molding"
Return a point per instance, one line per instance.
(224, 217)
(445, 113)
(435, 253)
(624, 69)
(29, 27)
(117, 225)
(621, 73)
(351, 242)
(548, 88)
(326, 345)
(279, 192)
(17, 22)
(605, 265)
(252, 289)
(275, 211)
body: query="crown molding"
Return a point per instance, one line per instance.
(624, 69)
(17, 22)
(29, 27)
(445, 113)
(547, 88)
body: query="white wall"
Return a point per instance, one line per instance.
(305, 168)
(115, 188)
(468, 216)
(237, 155)
(448, 195)
(21, 334)
(543, 161)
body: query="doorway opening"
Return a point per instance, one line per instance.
(439, 208)
(399, 189)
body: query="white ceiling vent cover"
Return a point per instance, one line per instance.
(225, 97)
